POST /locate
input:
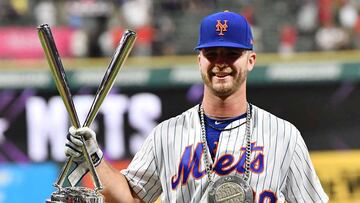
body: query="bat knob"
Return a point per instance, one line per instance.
(45, 25)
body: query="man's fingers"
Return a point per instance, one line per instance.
(72, 130)
(71, 150)
(75, 139)
(85, 132)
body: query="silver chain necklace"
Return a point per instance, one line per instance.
(247, 149)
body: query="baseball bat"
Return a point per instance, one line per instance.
(57, 70)
(59, 75)
(119, 57)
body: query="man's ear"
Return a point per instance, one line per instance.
(251, 60)
(199, 59)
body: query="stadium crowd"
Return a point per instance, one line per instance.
(165, 27)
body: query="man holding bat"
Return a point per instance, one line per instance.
(221, 150)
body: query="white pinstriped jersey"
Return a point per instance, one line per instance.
(170, 162)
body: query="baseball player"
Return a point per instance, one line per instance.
(222, 150)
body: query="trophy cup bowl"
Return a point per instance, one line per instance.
(76, 195)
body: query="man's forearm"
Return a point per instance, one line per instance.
(116, 188)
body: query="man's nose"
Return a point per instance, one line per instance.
(220, 59)
(221, 65)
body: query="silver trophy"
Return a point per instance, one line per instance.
(81, 194)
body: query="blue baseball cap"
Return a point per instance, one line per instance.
(225, 29)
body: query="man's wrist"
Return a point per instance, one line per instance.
(97, 157)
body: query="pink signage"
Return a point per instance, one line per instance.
(23, 42)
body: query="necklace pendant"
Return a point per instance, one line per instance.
(228, 189)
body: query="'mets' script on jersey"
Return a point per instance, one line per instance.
(171, 163)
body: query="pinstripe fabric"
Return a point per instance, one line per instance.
(281, 168)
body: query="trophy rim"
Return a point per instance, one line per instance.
(76, 195)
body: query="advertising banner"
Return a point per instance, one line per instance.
(23, 42)
(34, 124)
(339, 174)
(26, 182)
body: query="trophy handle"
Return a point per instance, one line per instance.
(125, 45)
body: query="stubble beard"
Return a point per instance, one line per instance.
(224, 90)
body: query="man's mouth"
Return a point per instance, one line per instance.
(221, 73)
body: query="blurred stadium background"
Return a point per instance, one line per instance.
(308, 72)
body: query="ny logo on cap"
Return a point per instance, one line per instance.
(221, 27)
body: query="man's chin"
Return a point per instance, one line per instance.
(223, 79)
(222, 91)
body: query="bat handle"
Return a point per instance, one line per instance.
(94, 174)
(60, 181)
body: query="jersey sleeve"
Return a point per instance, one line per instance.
(302, 183)
(142, 174)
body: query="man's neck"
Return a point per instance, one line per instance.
(228, 107)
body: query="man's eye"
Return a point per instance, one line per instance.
(234, 54)
(210, 55)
